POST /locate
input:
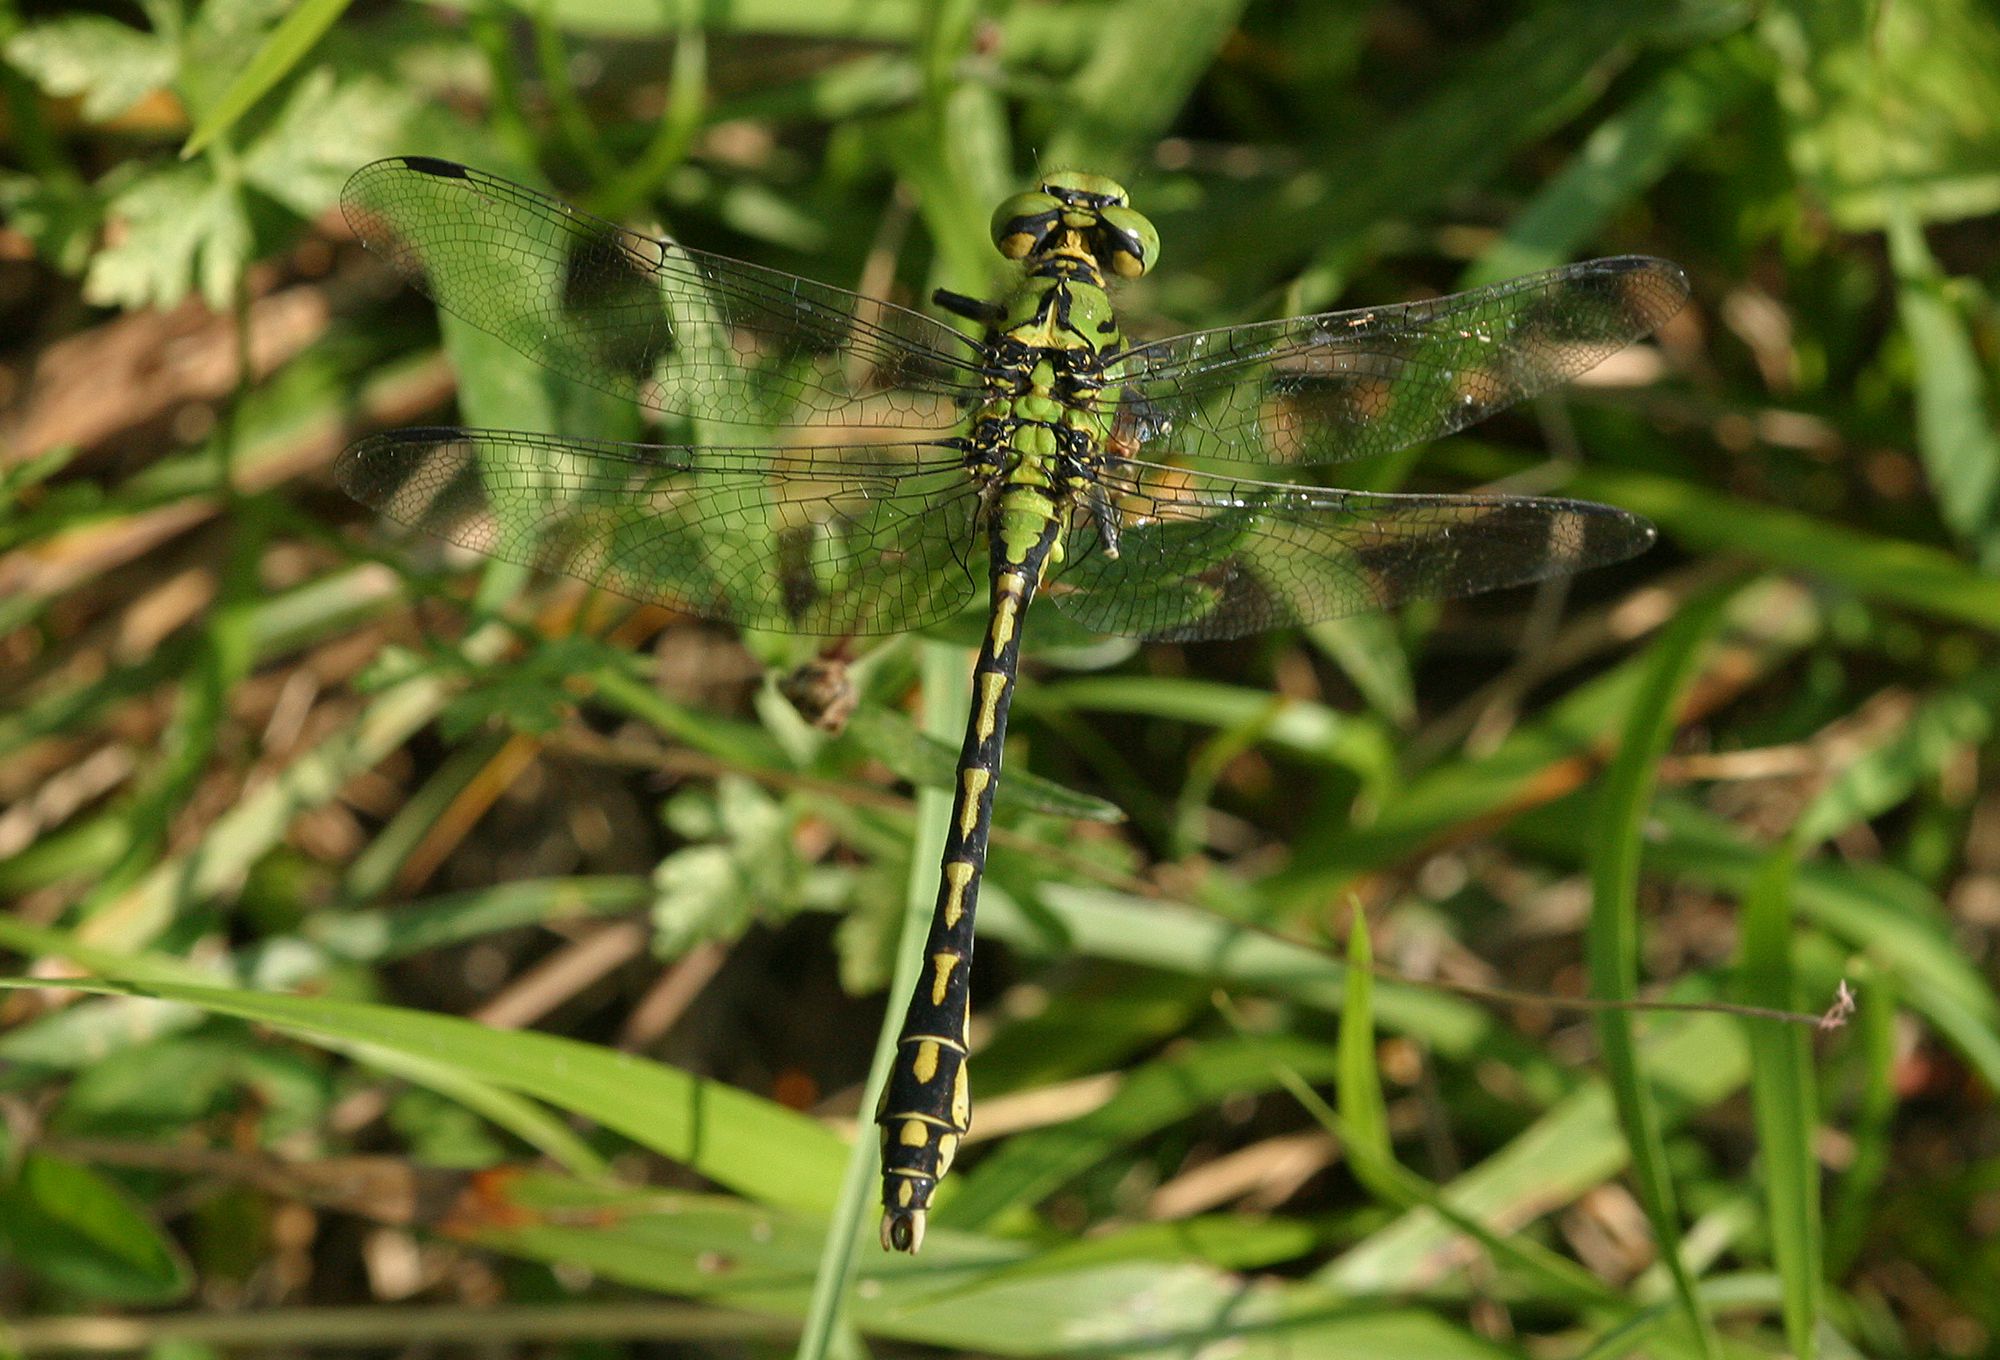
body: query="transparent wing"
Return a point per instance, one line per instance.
(834, 541)
(1320, 389)
(675, 330)
(1202, 557)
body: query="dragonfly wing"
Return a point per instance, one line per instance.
(676, 330)
(1339, 385)
(1202, 557)
(874, 538)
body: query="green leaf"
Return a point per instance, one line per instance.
(1613, 936)
(1890, 104)
(746, 871)
(274, 59)
(85, 1233)
(1955, 415)
(61, 216)
(329, 126)
(111, 66)
(179, 229)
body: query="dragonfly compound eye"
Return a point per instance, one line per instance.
(1023, 223)
(1127, 242)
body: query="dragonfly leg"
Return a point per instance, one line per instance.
(971, 308)
(1105, 516)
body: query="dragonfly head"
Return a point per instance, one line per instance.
(1079, 215)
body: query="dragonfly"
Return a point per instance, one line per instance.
(894, 466)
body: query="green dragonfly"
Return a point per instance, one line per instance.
(1047, 455)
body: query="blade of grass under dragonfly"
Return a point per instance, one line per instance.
(1612, 937)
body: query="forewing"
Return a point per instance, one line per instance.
(832, 541)
(1203, 557)
(1339, 385)
(676, 330)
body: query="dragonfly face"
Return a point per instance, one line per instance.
(1078, 216)
(1046, 457)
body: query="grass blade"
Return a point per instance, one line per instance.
(1613, 936)
(286, 46)
(1782, 1092)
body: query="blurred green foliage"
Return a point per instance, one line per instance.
(305, 802)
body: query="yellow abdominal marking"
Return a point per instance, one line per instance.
(957, 874)
(1003, 619)
(943, 963)
(961, 1098)
(991, 687)
(975, 785)
(926, 1062)
(915, 1133)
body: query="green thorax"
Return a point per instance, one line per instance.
(1043, 427)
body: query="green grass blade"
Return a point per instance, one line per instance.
(1363, 1111)
(1769, 623)
(1147, 57)
(1362, 1127)
(1914, 576)
(1900, 927)
(1786, 1105)
(757, 1148)
(389, 933)
(1574, 1147)
(947, 689)
(1623, 155)
(1613, 937)
(286, 46)
(1314, 731)
(1871, 1125)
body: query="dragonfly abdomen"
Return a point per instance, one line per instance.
(926, 1106)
